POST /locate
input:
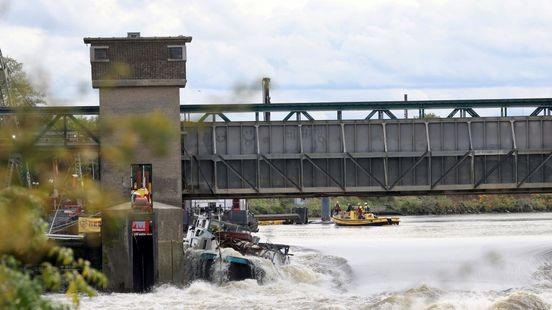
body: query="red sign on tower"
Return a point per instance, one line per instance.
(141, 228)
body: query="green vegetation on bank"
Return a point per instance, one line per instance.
(418, 205)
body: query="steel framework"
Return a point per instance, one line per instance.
(390, 157)
(379, 109)
(462, 108)
(309, 157)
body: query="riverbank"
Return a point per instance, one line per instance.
(417, 205)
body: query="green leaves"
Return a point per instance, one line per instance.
(19, 290)
(50, 277)
(23, 91)
(123, 137)
(21, 218)
(76, 275)
(30, 265)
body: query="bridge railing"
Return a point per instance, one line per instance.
(367, 109)
(308, 110)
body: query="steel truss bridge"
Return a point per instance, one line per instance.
(300, 156)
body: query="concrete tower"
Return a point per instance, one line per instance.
(137, 75)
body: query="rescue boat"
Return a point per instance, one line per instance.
(351, 218)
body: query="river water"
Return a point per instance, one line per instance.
(427, 262)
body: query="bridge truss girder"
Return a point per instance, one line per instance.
(43, 142)
(282, 159)
(391, 157)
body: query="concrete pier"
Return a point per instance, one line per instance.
(326, 209)
(137, 255)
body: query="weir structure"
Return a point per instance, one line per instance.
(286, 153)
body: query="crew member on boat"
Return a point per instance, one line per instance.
(360, 213)
(349, 208)
(337, 208)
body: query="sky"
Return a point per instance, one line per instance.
(311, 50)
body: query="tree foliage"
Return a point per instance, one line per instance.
(31, 265)
(22, 92)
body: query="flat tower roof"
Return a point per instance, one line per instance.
(179, 38)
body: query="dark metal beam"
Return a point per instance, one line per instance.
(463, 111)
(488, 173)
(88, 131)
(324, 171)
(410, 169)
(46, 128)
(472, 112)
(193, 157)
(204, 117)
(541, 103)
(280, 172)
(52, 110)
(224, 118)
(390, 114)
(202, 175)
(451, 114)
(221, 115)
(371, 114)
(530, 174)
(237, 173)
(458, 162)
(366, 105)
(289, 115)
(537, 111)
(307, 115)
(354, 161)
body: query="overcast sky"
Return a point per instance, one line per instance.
(312, 50)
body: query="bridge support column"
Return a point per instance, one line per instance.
(325, 209)
(188, 215)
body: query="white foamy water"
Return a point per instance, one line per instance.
(439, 262)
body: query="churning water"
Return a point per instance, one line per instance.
(427, 262)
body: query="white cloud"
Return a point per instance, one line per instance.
(312, 50)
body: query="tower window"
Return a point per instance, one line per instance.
(177, 52)
(99, 53)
